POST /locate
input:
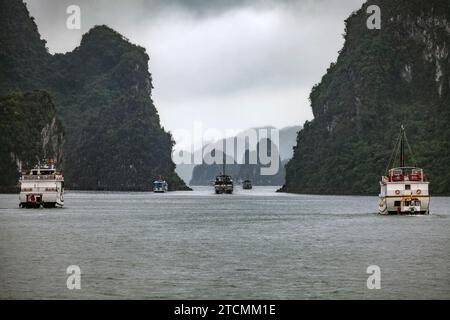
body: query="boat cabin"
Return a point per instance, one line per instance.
(405, 174)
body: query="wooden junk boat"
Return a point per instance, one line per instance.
(223, 182)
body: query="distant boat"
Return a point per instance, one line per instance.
(160, 186)
(404, 189)
(247, 185)
(42, 186)
(223, 182)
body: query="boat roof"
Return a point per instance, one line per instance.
(398, 168)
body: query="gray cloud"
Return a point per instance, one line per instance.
(229, 64)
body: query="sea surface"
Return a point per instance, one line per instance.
(254, 244)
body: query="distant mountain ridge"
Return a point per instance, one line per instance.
(203, 174)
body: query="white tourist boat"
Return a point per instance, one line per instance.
(42, 186)
(404, 189)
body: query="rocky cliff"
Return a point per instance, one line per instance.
(31, 131)
(399, 74)
(102, 93)
(114, 136)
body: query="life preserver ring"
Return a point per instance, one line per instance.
(397, 191)
(418, 191)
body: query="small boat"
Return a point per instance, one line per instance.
(247, 185)
(223, 182)
(160, 186)
(403, 189)
(42, 186)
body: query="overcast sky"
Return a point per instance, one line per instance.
(229, 64)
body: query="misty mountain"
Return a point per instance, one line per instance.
(239, 166)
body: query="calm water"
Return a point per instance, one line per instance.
(198, 245)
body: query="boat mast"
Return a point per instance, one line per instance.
(223, 161)
(402, 147)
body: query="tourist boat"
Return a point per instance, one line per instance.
(247, 185)
(223, 182)
(404, 189)
(42, 186)
(160, 186)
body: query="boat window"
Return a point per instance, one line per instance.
(407, 187)
(396, 203)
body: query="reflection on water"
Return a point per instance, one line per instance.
(251, 244)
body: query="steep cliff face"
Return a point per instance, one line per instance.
(383, 78)
(102, 92)
(23, 55)
(114, 137)
(31, 131)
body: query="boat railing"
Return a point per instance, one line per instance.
(43, 177)
(405, 178)
(39, 189)
(405, 174)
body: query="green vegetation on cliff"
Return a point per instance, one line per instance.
(114, 137)
(31, 131)
(102, 93)
(383, 78)
(23, 55)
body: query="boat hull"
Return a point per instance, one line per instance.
(42, 199)
(404, 205)
(223, 189)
